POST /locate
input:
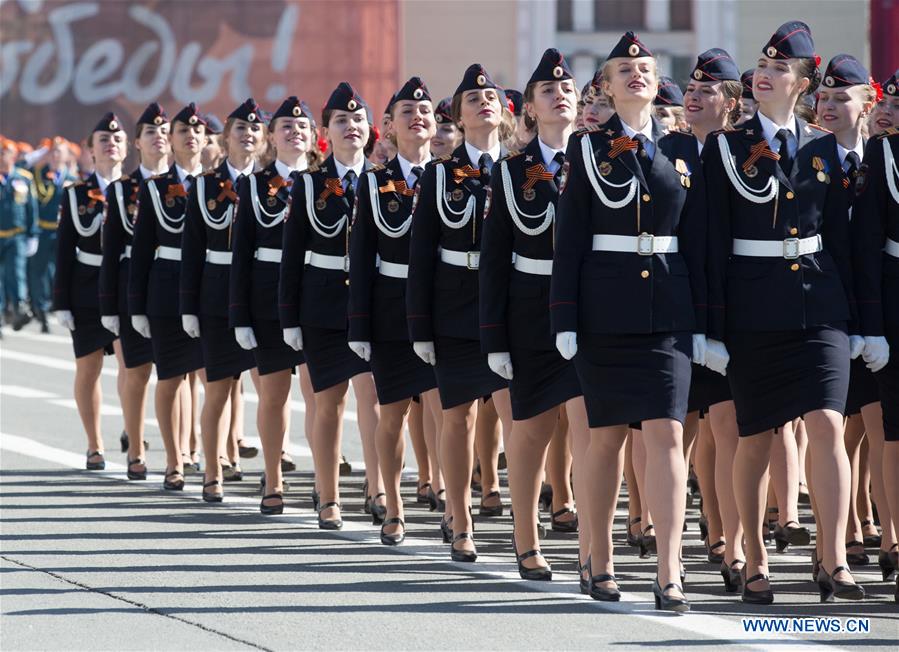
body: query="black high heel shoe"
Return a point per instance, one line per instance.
(647, 542)
(752, 596)
(95, 465)
(831, 588)
(856, 558)
(176, 485)
(603, 593)
(564, 526)
(633, 540)
(887, 563)
(870, 540)
(287, 463)
(446, 529)
(669, 603)
(771, 523)
(462, 555)
(316, 500)
(211, 496)
(396, 538)
(715, 557)
(785, 536)
(489, 511)
(271, 510)
(137, 475)
(329, 523)
(423, 498)
(378, 512)
(539, 574)
(731, 576)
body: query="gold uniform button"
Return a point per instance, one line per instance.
(645, 197)
(790, 194)
(644, 274)
(794, 231)
(794, 267)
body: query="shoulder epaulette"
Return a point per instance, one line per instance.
(311, 168)
(512, 154)
(123, 178)
(819, 128)
(587, 130)
(376, 167)
(211, 173)
(159, 176)
(442, 159)
(77, 184)
(889, 131)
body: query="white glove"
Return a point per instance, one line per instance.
(31, 246)
(66, 318)
(293, 337)
(566, 344)
(245, 337)
(191, 325)
(856, 346)
(716, 356)
(141, 324)
(111, 323)
(500, 364)
(425, 351)
(876, 353)
(362, 349)
(700, 347)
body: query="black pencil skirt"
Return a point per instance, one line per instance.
(778, 376)
(541, 380)
(707, 387)
(174, 352)
(631, 378)
(89, 334)
(888, 381)
(462, 372)
(271, 353)
(223, 357)
(329, 358)
(399, 373)
(136, 349)
(863, 388)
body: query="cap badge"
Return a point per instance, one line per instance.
(296, 112)
(417, 93)
(697, 74)
(192, 120)
(113, 125)
(771, 51)
(351, 105)
(558, 72)
(251, 117)
(481, 80)
(157, 120)
(891, 89)
(633, 50)
(828, 81)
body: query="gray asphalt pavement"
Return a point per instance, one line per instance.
(91, 561)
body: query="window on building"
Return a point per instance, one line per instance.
(681, 14)
(618, 14)
(564, 16)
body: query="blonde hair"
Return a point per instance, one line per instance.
(606, 72)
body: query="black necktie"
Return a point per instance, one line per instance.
(485, 163)
(188, 181)
(854, 161)
(350, 186)
(786, 160)
(416, 173)
(559, 159)
(643, 154)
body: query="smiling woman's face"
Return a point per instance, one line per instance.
(631, 80)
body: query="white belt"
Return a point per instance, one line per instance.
(323, 261)
(892, 248)
(644, 244)
(393, 270)
(126, 253)
(469, 259)
(218, 257)
(537, 266)
(168, 253)
(268, 255)
(790, 249)
(94, 260)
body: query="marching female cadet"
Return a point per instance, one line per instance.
(448, 136)
(712, 104)
(253, 284)
(669, 105)
(51, 177)
(514, 319)
(153, 146)
(844, 102)
(635, 196)
(78, 261)
(442, 290)
(377, 306)
(313, 296)
(205, 266)
(748, 105)
(780, 296)
(875, 226)
(153, 285)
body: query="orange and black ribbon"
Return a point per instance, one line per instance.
(95, 195)
(535, 174)
(275, 184)
(757, 151)
(332, 187)
(227, 191)
(465, 172)
(399, 187)
(621, 145)
(175, 190)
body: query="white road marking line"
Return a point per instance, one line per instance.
(17, 391)
(727, 631)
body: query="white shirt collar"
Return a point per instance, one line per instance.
(146, 173)
(103, 183)
(406, 167)
(284, 170)
(770, 129)
(548, 153)
(475, 154)
(182, 173)
(646, 131)
(859, 149)
(699, 145)
(233, 172)
(341, 169)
